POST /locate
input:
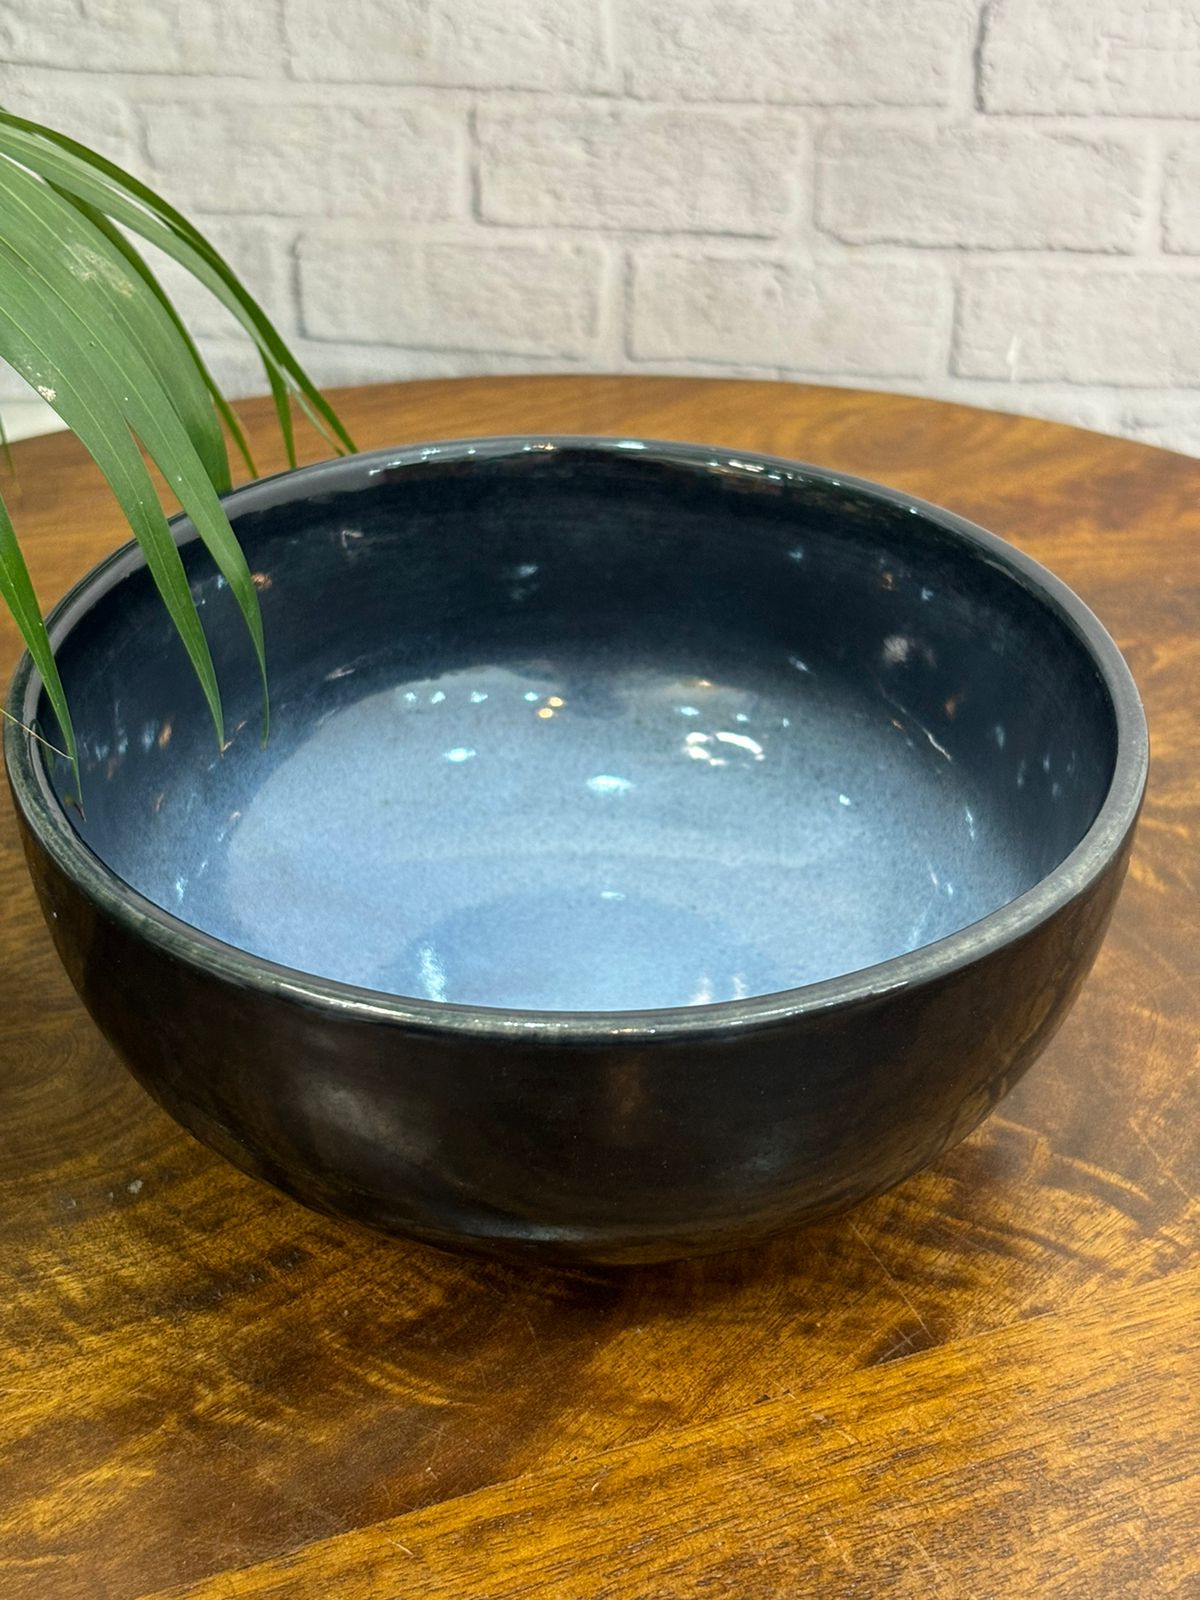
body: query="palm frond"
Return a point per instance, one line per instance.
(88, 325)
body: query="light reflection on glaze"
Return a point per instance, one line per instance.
(613, 820)
(544, 838)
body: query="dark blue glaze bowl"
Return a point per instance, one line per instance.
(656, 846)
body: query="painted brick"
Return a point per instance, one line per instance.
(527, 299)
(824, 52)
(643, 170)
(184, 36)
(1171, 421)
(1103, 57)
(402, 162)
(987, 187)
(95, 117)
(839, 317)
(681, 126)
(1080, 325)
(533, 44)
(1181, 197)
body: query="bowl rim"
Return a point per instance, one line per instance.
(1073, 877)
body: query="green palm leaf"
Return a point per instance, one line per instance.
(84, 320)
(138, 262)
(16, 591)
(88, 176)
(132, 336)
(60, 365)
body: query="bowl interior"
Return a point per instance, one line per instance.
(590, 728)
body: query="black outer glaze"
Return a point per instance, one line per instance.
(608, 1137)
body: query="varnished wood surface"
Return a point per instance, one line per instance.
(860, 1487)
(985, 1383)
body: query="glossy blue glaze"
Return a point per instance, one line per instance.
(574, 835)
(656, 847)
(605, 736)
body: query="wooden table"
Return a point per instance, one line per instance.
(986, 1383)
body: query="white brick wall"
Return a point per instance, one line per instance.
(622, 167)
(1121, 58)
(986, 186)
(528, 299)
(1132, 326)
(835, 319)
(994, 200)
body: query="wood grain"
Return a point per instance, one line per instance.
(1063, 1454)
(197, 1376)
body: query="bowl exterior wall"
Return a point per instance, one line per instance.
(599, 1150)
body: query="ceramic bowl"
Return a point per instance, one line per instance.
(656, 846)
